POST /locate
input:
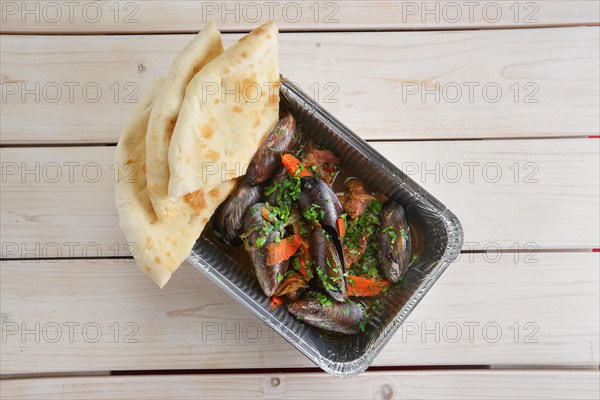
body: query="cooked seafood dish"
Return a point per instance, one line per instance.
(316, 250)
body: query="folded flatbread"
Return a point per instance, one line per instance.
(159, 247)
(205, 46)
(229, 106)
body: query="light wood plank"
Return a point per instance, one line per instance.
(381, 84)
(123, 16)
(469, 384)
(553, 305)
(547, 195)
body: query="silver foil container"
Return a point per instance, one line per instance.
(436, 235)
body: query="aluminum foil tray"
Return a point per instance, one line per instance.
(436, 234)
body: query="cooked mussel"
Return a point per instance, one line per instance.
(280, 139)
(278, 179)
(393, 238)
(328, 264)
(317, 196)
(229, 218)
(318, 311)
(257, 241)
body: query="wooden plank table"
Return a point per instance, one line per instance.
(490, 106)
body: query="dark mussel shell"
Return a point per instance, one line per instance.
(316, 192)
(328, 264)
(279, 177)
(337, 317)
(281, 139)
(230, 218)
(267, 276)
(394, 251)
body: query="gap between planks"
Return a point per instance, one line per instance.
(471, 384)
(433, 139)
(324, 31)
(300, 370)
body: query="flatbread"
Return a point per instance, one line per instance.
(205, 46)
(158, 247)
(229, 107)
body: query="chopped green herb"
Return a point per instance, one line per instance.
(345, 311)
(260, 242)
(323, 299)
(269, 190)
(393, 236)
(311, 214)
(303, 229)
(279, 277)
(362, 325)
(404, 234)
(329, 286)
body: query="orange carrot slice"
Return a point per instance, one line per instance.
(302, 269)
(341, 225)
(278, 252)
(292, 164)
(359, 286)
(276, 301)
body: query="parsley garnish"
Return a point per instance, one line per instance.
(312, 214)
(404, 234)
(260, 241)
(323, 299)
(362, 325)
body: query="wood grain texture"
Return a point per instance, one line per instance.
(384, 85)
(510, 194)
(89, 17)
(504, 310)
(469, 384)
